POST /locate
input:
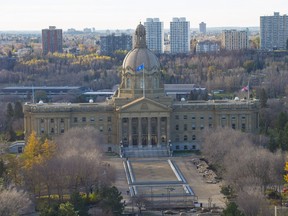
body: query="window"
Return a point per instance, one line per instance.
(109, 119)
(109, 149)
(83, 119)
(193, 127)
(100, 119)
(202, 127)
(42, 130)
(101, 128)
(185, 127)
(75, 120)
(210, 117)
(185, 138)
(177, 127)
(52, 120)
(193, 147)
(224, 117)
(243, 126)
(92, 119)
(233, 117)
(62, 120)
(193, 137)
(41, 120)
(52, 130)
(185, 147)
(176, 117)
(193, 117)
(202, 117)
(210, 125)
(62, 130)
(185, 117)
(243, 117)
(177, 147)
(233, 126)
(109, 129)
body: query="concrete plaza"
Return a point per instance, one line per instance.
(152, 170)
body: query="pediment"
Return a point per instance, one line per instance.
(144, 105)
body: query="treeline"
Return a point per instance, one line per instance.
(229, 71)
(11, 121)
(252, 175)
(65, 174)
(91, 70)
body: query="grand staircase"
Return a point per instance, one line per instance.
(144, 152)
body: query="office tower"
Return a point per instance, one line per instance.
(52, 40)
(235, 40)
(154, 35)
(274, 32)
(112, 42)
(202, 28)
(179, 35)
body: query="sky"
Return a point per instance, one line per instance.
(126, 14)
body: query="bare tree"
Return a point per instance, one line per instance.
(13, 201)
(252, 202)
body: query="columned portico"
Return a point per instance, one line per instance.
(144, 131)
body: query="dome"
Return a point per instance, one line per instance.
(140, 54)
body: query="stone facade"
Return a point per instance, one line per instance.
(140, 115)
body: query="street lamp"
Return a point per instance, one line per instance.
(170, 148)
(169, 189)
(121, 149)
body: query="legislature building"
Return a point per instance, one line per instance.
(140, 116)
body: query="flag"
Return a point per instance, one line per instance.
(245, 88)
(140, 67)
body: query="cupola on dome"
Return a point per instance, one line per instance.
(140, 54)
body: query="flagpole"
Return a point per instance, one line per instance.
(248, 90)
(143, 81)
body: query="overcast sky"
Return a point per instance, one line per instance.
(126, 14)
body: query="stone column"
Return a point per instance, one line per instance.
(139, 132)
(120, 130)
(158, 131)
(149, 132)
(130, 131)
(168, 130)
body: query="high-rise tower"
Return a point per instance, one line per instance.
(202, 28)
(180, 35)
(52, 40)
(274, 32)
(154, 35)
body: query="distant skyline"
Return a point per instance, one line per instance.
(126, 14)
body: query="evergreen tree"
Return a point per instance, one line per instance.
(281, 121)
(9, 111)
(112, 200)
(79, 204)
(232, 210)
(263, 98)
(18, 110)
